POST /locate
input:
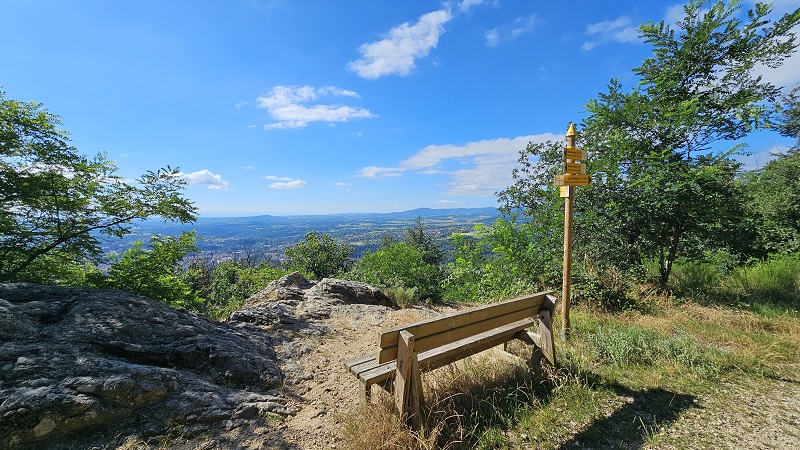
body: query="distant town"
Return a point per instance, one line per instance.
(266, 237)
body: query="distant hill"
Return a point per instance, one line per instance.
(268, 235)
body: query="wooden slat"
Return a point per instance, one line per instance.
(388, 338)
(455, 334)
(529, 338)
(351, 364)
(446, 354)
(378, 374)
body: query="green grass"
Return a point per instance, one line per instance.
(623, 380)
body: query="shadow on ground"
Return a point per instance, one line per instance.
(628, 427)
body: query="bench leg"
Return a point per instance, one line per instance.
(548, 347)
(408, 382)
(365, 390)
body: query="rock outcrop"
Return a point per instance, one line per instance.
(83, 368)
(80, 367)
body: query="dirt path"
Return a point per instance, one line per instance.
(764, 415)
(319, 385)
(751, 414)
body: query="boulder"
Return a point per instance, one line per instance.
(80, 367)
(288, 287)
(349, 292)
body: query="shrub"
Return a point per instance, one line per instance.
(399, 265)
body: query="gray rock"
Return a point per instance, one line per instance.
(349, 292)
(288, 287)
(82, 366)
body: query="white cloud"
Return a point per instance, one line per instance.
(240, 104)
(511, 31)
(492, 37)
(675, 13)
(403, 45)
(788, 74)
(289, 106)
(293, 184)
(488, 164)
(342, 185)
(274, 178)
(379, 172)
(524, 25)
(248, 167)
(205, 177)
(617, 30)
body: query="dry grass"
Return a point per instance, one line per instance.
(596, 398)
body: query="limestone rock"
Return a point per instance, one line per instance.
(288, 287)
(82, 366)
(349, 292)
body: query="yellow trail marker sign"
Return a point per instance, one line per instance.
(571, 180)
(576, 154)
(575, 168)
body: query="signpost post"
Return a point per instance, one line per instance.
(575, 175)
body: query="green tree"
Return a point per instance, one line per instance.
(55, 203)
(319, 255)
(400, 265)
(660, 190)
(789, 115)
(154, 272)
(506, 259)
(774, 203)
(419, 238)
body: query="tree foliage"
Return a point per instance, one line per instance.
(662, 189)
(155, 271)
(55, 203)
(400, 265)
(319, 255)
(774, 203)
(418, 237)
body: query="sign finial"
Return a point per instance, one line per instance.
(571, 130)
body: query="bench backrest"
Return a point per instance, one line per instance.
(443, 330)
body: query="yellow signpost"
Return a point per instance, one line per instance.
(575, 175)
(571, 180)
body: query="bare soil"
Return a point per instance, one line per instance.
(746, 413)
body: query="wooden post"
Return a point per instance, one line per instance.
(407, 382)
(402, 377)
(567, 192)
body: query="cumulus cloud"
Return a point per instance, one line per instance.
(295, 107)
(487, 164)
(618, 30)
(397, 53)
(205, 177)
(288, 184)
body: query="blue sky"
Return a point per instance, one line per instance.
(322, 106)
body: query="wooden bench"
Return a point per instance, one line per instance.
(406, 350)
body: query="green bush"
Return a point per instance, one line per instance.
(319, 255)
(153, 272)
(399, 265)
(225, 286)
(404, 297)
